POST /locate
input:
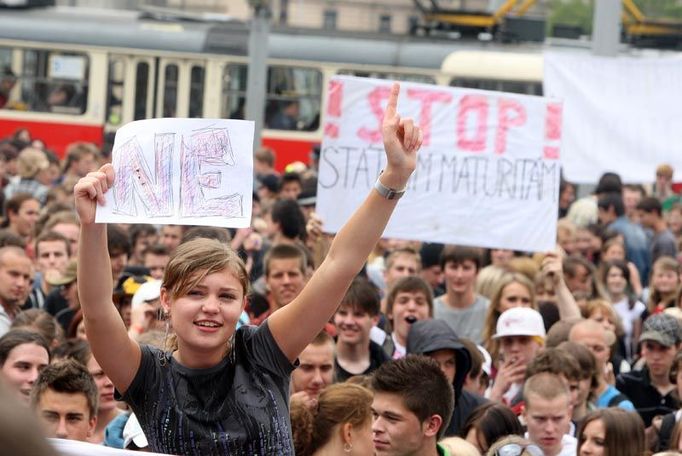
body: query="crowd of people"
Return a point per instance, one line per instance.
(282, 339)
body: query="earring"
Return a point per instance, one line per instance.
(347, 447)
(162, 353)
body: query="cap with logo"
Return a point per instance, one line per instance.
(520, 321)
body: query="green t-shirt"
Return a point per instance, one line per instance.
(442, 451)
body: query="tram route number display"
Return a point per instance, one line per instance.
(487, 174)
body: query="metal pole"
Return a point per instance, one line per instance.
(256, 84)
(606, 27)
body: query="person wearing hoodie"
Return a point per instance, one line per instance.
(435, 339)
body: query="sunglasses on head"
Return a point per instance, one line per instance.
(515, 449)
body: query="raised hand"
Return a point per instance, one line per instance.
(402, 140)
(90, 190)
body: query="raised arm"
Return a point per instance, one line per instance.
(552, 267)
(118, 355)
(296, 324)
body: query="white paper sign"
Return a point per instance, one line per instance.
(76, 448)
(182, 172)
(620, 114)
(67, 67)
(488, 171)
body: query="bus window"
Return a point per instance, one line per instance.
(170, 92)
(55, 81)
(234, 91)
(196, 92)
(115, 90)
(293, 98)
(405, 77)
(141, 90)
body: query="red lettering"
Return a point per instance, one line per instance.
(375, 99)
(427, 98)
(510, 113)
(334, 104)
(476, 105)
(335, 98)
(553, 121)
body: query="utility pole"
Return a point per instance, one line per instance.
(606, 28)
(257, 73)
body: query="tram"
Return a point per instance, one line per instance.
(73, 74)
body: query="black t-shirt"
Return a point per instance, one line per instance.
(238, 407)
(377, 356)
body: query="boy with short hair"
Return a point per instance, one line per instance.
(356, 353)
(409, 300)
(548, 414)
(409, 420)
(461, 307)
(65, 399)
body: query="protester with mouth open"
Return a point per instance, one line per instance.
(221, 390)
(409, 300)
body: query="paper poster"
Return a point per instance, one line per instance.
(182, 172)
(488, 170)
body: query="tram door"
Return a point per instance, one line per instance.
(130, 90)
(180, 90)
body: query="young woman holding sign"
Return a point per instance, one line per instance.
(222, 390)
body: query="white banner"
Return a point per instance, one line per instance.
(488, 171)
(620, 114)
(182, 172)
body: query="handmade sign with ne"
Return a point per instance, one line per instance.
(488, 170)
(183, 172)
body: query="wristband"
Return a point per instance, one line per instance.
(388, 193)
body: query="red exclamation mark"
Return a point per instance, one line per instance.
(552, 131)
(331, 129)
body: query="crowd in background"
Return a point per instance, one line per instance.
(574, 351)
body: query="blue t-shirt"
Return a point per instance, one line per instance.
(611, 392)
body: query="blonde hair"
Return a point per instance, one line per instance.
(459, 446)
(338, 404)
(493, 312)
(195, 259)
(30, 162)
(191, 262)
(664, 263)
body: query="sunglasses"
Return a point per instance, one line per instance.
(514, 449)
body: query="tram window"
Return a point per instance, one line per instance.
(529, 88)
(115, 91)
(141, 90)
(7, 78)
(196, 92)
(55, 81)
(293, 96)
(405, 77)
(293, 99)
(170, 92)
(234, 92)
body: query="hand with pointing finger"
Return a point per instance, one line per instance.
(402, 140)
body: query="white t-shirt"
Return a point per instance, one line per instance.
(569, 445)
(628, 316)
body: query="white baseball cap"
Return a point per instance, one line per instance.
(520, 321)
(487, 365)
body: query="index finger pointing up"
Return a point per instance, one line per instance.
(392, 106)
